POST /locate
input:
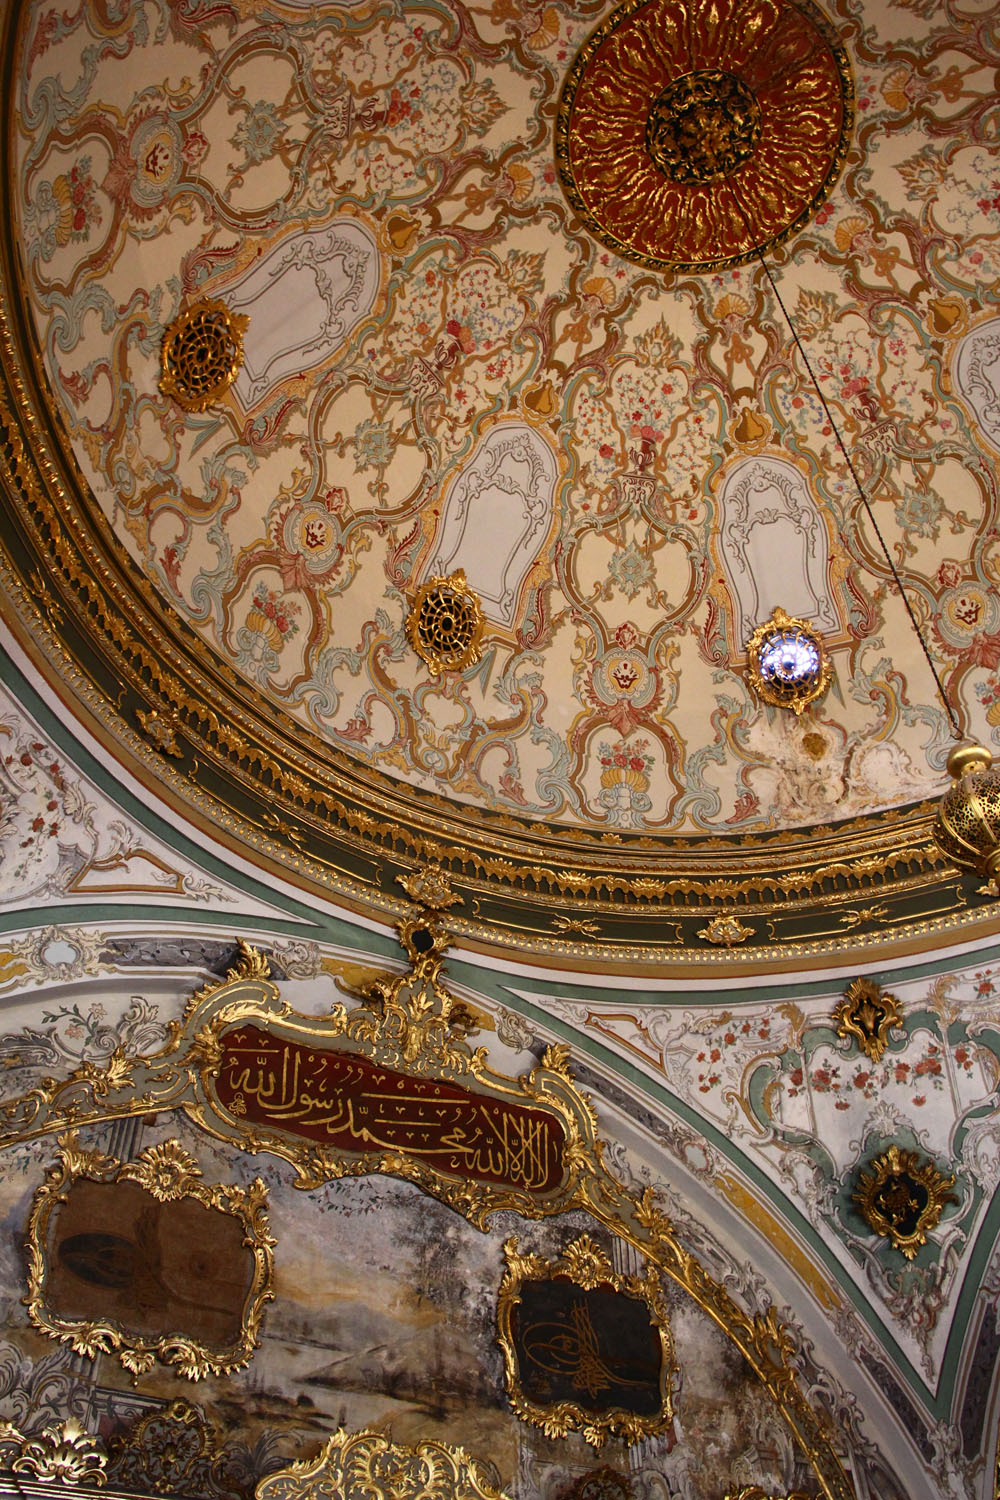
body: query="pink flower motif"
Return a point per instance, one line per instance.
(195, 148)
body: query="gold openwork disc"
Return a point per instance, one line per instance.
(201, 354)
(445, 624)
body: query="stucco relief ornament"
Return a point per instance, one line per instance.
(725, 931)
(693, 135)
(902, 1196)
(430, 888)
(787, 663)
(201, 354)
(367, 1463)
(64, 1453)
(867, 1013)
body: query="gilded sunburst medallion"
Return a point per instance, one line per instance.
(693, 133)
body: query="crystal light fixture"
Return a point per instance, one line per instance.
(788, 666)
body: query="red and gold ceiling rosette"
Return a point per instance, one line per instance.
(692, 134)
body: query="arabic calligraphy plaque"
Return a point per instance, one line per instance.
(595, 1348)
(345, 1101)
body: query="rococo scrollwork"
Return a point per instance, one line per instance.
(368, 1463)
(599, 1363)
(63, 1453)
(312, 1090)
(131, 1246)
(867, 1014)
(901, 1196)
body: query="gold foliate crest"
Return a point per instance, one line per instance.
(445, 623)
(368, 1463)
(64, 1453)
(867, 1013)
(725, 931)
(902, 1196)
(429, 887)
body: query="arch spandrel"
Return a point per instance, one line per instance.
(244, 1073)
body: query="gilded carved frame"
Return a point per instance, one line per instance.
(168, 1173)
(411, 1022)
(586, 1265)
(369, 1463)
(884, 1196)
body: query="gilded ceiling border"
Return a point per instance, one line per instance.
(187, 725)
(239, 1038)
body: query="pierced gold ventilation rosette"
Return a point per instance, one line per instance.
(201, 354)
(446, 623)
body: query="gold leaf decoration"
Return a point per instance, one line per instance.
(901, 1196)
(369, 1464)
(867, 1013)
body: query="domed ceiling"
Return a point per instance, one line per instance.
(308, 307)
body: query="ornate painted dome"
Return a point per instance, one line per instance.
(320, 312)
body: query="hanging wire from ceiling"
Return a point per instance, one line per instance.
(967, 825)
(949, 709)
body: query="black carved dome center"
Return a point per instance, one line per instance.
(702, 127)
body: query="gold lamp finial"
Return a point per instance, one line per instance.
(967, 826)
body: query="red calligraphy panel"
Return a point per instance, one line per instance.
(352, 1104)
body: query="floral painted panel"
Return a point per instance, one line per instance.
(61, 837)
(806, 1107)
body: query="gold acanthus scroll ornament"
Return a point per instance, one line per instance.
(369, 1464)
(867, 1014)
